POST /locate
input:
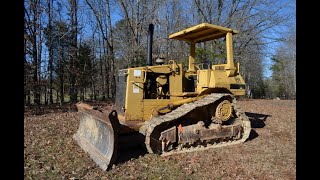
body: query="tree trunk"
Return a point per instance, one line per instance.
(61, 91)
(45, 95)
(101, 71)
(106, 72)
(26, 69)
(39, 60)
(81, 94)
(91, 92)
(73, 53)
(111, 54)
(36, 93)
(29, 99)
(57, 97)
(106, 67)
(61, 77)
(94, 91)
(50, 49)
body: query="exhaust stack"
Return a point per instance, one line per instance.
(149, 47)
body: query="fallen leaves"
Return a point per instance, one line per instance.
(51, 153)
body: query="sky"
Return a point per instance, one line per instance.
(271, 48)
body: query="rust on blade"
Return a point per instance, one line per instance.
(98, 134)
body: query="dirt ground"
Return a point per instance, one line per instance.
(270, 153)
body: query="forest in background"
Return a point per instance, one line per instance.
(73, 48)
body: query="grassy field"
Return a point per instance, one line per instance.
(270, 153)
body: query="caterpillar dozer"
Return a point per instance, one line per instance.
(176, 109)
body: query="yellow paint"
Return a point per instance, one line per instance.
(216, 79)
(134, 95)
(205, 77)
(202, 32)
(231, 69)
(192, 57)
(160, 69)
(150, 105)
(176, 82)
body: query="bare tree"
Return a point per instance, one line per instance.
(284, 68)
(255, 20)
(73, 49)
(111, 52)
(50, 48)
(26, 69)
(99, 14)
(32, 15)
(121, 43)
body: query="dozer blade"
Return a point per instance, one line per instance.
(98, 135)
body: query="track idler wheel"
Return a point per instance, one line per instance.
(224, 110)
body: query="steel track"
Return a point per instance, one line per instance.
(149, 126)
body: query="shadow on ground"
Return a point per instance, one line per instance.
(257, 121)
(130, 147)
(133, 152)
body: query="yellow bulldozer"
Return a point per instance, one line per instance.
(174, 109)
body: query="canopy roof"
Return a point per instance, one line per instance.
(202, 32)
